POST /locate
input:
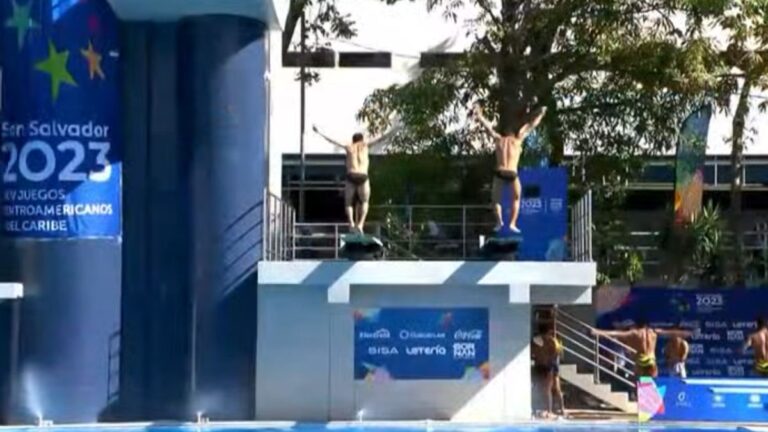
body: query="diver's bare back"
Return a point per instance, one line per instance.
(357, 158)
(760, 345)
(508, 149)
(644, 341)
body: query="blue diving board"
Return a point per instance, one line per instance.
(361, 246)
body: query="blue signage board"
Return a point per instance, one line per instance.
(716, 400)
(59, 125)
(543, 217)
(720, 320)
(421, 344)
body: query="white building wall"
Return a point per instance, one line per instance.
(406, 30)
(305, 343)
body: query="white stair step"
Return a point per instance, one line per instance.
(586, 382)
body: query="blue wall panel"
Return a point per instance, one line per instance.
(195, 109)
(223, 115)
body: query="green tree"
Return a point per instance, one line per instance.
(616, 76)
(699, 252)
(745, 25)
(326, 23)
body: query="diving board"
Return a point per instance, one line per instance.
(11, 290)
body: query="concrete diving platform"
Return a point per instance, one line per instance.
(403, 340)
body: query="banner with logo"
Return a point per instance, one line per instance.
(421, 344)
(721, 320)
(689, 165)
(716, 400)
(543, 215)
(61, 153)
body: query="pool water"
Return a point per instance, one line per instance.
(410, 427)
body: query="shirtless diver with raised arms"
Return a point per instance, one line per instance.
(508, 149)
(357, 184)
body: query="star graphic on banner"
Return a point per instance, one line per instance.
(56, 66)
(94, 62)
(21, 21)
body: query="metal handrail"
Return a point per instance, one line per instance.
(579, 340)
(278, 229)
(595, 351)
(569, 317)
(600, 367)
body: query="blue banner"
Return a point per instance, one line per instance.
(421, 344)
(721, 320)
(544, 214)
(716, 400)
(61, 152)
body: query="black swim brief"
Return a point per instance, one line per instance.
(506, 175)
(357, 179)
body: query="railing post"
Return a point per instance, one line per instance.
(293, 234)
(464, 232)
(336, 243)
(597, 359)
(264, 228)
(410, 229)
(589, 225)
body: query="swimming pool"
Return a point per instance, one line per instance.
(393, 427)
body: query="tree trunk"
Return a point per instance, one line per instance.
(737, 165)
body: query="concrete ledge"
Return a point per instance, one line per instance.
(11, 290)
(550, 282)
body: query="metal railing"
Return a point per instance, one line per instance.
(581, 229)
(607, 358)
(647, 245)
(431, 232)
(279, 226)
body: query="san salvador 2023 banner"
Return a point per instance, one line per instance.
(61, 153)
(421, 344)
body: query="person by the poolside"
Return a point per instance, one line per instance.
(550, 349)
(508, 149)
(643, 340)
(539, 374)
(758, 342)
(357, 188)
(676, 352)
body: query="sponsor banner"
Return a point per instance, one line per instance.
(543, 215)
(689, 165)
(421, 344)
(721, 321)
(716, 400)
(59, 125)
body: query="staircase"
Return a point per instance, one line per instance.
(589, 363)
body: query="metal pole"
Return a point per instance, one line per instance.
(597, 359)
(410, 229)
(336, 244)
(464, 231)
(14, 354)
(303, 101)
(264, 223)
(293, 234)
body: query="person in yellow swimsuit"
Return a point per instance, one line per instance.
(758, 342)
(643, 340)
(549, 350)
